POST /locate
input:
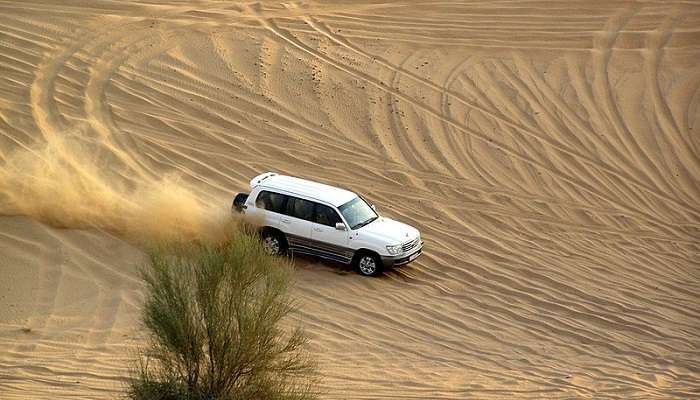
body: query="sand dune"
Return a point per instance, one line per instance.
(548, 152)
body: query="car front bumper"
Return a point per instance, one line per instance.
(402, 259)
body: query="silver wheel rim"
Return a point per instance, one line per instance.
(271, 245)
(367, 265)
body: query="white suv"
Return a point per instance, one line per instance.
(312, 218)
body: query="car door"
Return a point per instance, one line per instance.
(326, 238)
(296, 223)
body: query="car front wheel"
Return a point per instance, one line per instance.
(369, 265)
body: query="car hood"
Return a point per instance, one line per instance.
(390, 231)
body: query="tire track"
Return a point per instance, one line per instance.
(506, 149)
(598, 164)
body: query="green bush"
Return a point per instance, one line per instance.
(213, 315)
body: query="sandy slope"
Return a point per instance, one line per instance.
(548, 151)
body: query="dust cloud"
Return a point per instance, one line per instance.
(63, 185)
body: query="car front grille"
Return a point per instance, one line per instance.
(408, 246)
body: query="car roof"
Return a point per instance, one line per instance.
(306, 188)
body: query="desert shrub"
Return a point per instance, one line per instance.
(213, 316)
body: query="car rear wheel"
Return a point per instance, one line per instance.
(273, 243)
(369, 264)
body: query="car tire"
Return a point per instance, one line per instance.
(368, 264)
(273, 242)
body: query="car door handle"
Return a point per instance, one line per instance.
(318, 229)
(285, 220)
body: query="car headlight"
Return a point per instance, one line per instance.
(394, 250)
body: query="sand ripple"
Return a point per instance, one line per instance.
(545, 150)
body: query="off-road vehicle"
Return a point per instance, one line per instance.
(312, 218)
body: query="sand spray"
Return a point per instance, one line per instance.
(63, 184)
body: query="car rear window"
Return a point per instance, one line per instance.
(271, 201)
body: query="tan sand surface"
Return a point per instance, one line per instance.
(548, 152)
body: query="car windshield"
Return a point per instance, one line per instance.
(357, 213)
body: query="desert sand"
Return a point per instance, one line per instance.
(548, 152)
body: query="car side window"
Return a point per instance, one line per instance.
(326, 215)
(300, 208)
(271, 201)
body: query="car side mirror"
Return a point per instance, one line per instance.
(340, 226)
(373, 207)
